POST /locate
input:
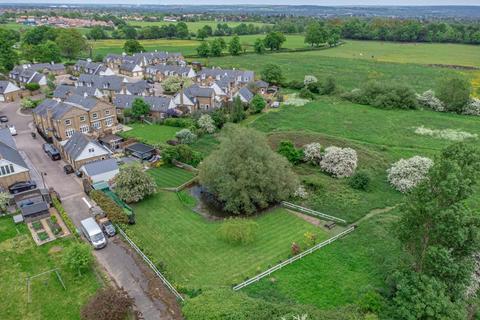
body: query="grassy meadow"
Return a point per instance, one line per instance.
(21, 258)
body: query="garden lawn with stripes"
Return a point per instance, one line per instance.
(168, 176)
(151, 133)
(20, 257)
(192, 255)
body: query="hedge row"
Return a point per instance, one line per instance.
(65, 217)
(113, 211)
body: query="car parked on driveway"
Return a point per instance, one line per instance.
(51, 151)
(107, 227)
(68, 169)
(22, 186)
(3, 119)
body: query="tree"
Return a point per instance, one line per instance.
(259, 46)
(70, 42)
(315, 34)
(8, 55)
(288, 150)
(206, 124)
(4, 201)
(235, 47)
(208, 30)
(173, 84)
(97, 33)
(182, 30)
(32, 86)
(133, 184)
(132, 46)
(245, 174)
(78, 257)
(339, 162)
(217, 46)
(454, 93)
(237, 112)
(406, 174)
(257, 104)
(272, 73)
(140, 108)
(48, 52)
(202, 34)
(333, 36)
(129, 32)
(203, 50)
(312, 153)
(274, 40)
(186, 136)
(108, 304)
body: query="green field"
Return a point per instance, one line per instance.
(20, 257)
(187, 245)
(152, 134)
(192, 26)
(170, 176)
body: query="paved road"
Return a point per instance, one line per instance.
(151, 297)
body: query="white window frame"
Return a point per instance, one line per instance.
(69, 132)
(94, 115)
(85, 128)
(83, 118)
(109, 122)
(107, 112)
(68, 122)
(96, 125)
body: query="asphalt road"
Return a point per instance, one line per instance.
(152, 299)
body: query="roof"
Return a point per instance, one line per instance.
(168, 69)
(34, 209)
(138, 87)
(83, 102)
(102, 82)
(8, 148)
(261, 84)
(246, 94)
(98, 167)
(140, 148)
(4, 85)
(77, 143)
(63, 91)
(124, 101)
(110, 138)
(129, 66)
(232, 75)
(196, 91)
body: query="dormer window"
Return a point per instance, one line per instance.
(95, 115)
(107, 112)
(68, 122)
(91, 150)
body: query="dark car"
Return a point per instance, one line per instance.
(3, 119)
(68, 169)
(73, 78)
(22, 186)
(51, 151)
(79, 173)
(107, 227)
(150, 81)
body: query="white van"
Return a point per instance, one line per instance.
(91, 230)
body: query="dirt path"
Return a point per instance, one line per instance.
(373, 213)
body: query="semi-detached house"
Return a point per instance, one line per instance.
(12, 166)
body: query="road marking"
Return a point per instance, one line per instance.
(86, 201)
(72, 196)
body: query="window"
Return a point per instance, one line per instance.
(7, 169)
(109, 122)
(68, 122)
(91, 150)
(84, 129)
(107, 112)
(83, 118)
(69, 132)
(95, 115)
(97, 125)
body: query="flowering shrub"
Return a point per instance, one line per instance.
(300, 192)
(428, 100)
(405, 174)
(186, 136)
(339, 162)
(205, 122)
(446, 134)
(473, 108)
(309, 79)
(312, 152)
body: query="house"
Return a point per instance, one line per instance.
(159, 106)
(161, 72)
(64, 91)
(196, 98)
(89, 67)
(61, 119)
(23, 75)
(139, 88)
(143, 59)
(261, 86)
(9, 91)
(108, 86)
(111, 141)
(131, 69)
(101, 170)
(12, 166)
(80, 149)
(245, 95)
(235, 78)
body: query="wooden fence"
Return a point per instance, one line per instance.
(292, 259)
(312, 212)
(151, 265)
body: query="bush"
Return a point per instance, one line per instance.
(78, 257)
(328, 86)
(308, 79)
(454, 93)
(133, 184)
(429, 101)
(182, 153)
(359, 181)
(238, 231)
(473, 108)
(306, 94)
(113, 211)
(288, 150)
(32, 86)
(406, 174)
(339, 162)
(178, 122)
(186, 136)
(295, 85)
(312, 153)
(206, 124)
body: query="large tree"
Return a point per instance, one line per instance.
(132, 46)
(140, 108)
(8, 55)
(272, 73)
(133, 184)
(235, 47)
(454, 93)
(245, 174)
(70, 42)
(274, 40)
(315, 34)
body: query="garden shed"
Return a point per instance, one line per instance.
(140, 151)
(35, 211)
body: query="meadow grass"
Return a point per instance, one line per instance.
(192, 254)
(21, 258)
(152, 134)
(170, 176)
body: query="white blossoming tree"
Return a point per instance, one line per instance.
(312, 152)
(405, 174)
(186, 136)
(205, 123)
(339, 162)
(473, 108)
(428, 100)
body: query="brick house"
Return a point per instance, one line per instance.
(159, 106)
(196, 98)
(12, 166)
(9, 91)
(80, 149)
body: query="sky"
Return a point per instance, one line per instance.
(263, 2)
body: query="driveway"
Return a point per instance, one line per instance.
(152, 299)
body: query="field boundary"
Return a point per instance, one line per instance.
(293, 259)
(308, 211)
(151, 265)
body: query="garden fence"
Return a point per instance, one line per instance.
(292, 259)
(312, 212)
(151, 265)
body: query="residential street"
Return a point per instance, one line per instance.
(152, 299)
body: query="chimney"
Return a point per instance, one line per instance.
(181, 94)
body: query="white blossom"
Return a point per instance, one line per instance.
(186, 136)
(309, 79)
(301, 192)
(312, 152)
(446, 134)
(428, 100)
(339, 162)
(405, 174)
(206, 123)
(473, 108)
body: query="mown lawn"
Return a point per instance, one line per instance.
(170, 176)
(20, 257)
(340, 273)
(187, 244)
(151, 133)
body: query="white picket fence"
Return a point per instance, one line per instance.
(312, 212)
(151, 265)
(292, 259)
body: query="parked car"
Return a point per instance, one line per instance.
(51, 151)
(73, 78)
(79, 173)
(107, 227)
(22, 186)
(68, 169)
(91, 230)
(12, 129)
(150, 81)
(3, 119)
